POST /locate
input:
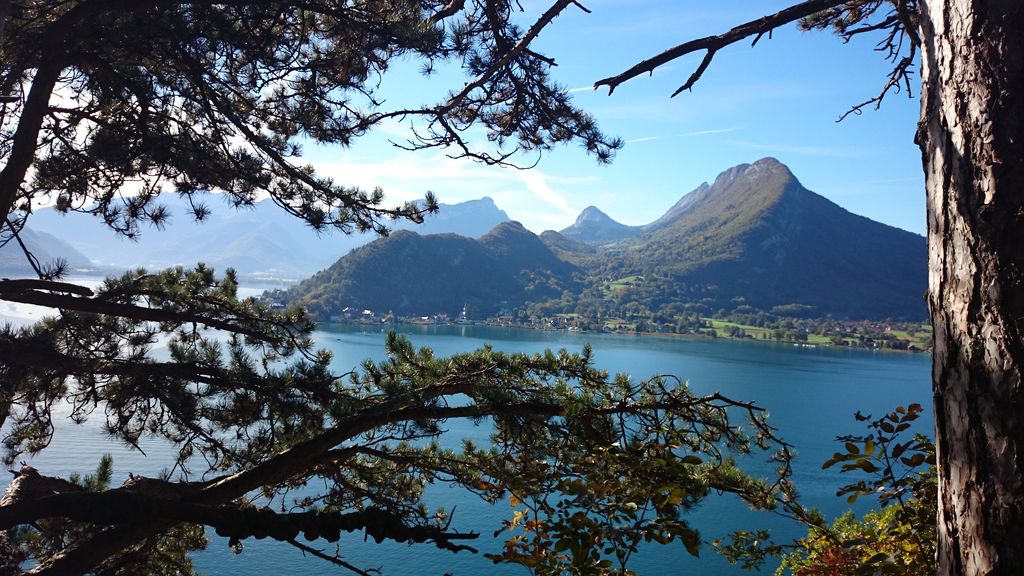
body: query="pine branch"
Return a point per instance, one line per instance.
(296, 460)
(127, 506)
(65, 296)
(711, 44)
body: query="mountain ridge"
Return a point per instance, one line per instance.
(437, 273)
(755, 238)
(45, 247)
(261, 239)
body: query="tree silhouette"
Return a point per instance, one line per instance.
(110, 103)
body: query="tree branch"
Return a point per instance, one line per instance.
(714, 43)
(333, 559)
(506, 58)
(126, 506)
(23, 146)
(15, 291)
(29, 485)
(23, 284)
(899, 79)
(416, 405)
(448, 10)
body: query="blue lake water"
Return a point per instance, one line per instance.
(811, 394)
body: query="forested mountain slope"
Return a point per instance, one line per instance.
(754, 239)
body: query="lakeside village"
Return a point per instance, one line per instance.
(809, 332)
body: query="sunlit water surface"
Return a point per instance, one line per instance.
(811, 394)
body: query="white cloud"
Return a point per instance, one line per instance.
(683, 135)
(408, 176)
(803, 150)
(536, 182)
(646, 139)
(711, 131)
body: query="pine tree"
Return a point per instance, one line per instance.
(107, 104)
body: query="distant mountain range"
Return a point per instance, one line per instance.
(47, 249)
(755, 239)
(262, 240)
(595, 227)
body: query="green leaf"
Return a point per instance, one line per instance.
(899, 449)
(691, 540)
(879, 557)
(917, 459)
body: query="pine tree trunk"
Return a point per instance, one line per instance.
(972, 140)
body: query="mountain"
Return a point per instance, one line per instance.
(261, 240)
(472, 219)
(756, 236)
(413, 274)
(680, 207)
(595, 227)
(47, 248)
(568, 249)
(754, 239)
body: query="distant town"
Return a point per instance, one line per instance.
(866, 334)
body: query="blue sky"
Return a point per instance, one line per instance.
(780, 98)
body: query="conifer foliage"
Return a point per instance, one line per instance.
(107, 104)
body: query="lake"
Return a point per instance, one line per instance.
(811, 394)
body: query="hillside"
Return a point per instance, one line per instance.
(756, 236)
(412, 274)
(261, 240)
(567, 249)
(754, 239)
(47, 249)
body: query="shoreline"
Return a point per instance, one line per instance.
(667, 335)
(21, 314)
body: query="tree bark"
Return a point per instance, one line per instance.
(972, 141)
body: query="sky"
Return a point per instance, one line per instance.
(780, 98)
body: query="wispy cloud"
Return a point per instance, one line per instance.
(819, 151)
(711, 131)
(536, 182)
(405, 176)
(919, 178)
(646, 139)
(683, 135)
(408, 176)
(572, 180)
(853, 188)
